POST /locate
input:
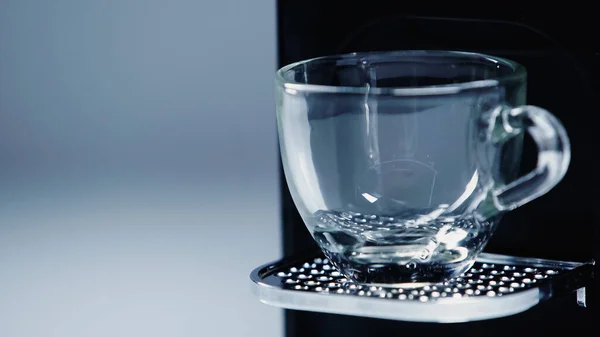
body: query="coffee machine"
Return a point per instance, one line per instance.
(562, 57)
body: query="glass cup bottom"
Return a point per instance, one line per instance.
(397, 273)
(378, 250)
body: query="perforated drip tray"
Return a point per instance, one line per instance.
(495, 286)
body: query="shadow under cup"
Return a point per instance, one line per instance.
(396, 160)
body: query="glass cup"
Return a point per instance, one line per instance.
(402, 163)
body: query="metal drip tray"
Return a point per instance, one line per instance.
(495, 286)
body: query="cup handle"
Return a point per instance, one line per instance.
(554, 155)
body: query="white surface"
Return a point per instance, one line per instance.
(442, 311)
(138, 167)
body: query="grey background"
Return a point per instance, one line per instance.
(138, 167)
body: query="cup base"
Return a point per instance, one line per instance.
(398, 274)
(374, 249)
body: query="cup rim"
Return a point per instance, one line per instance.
(518, 73)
